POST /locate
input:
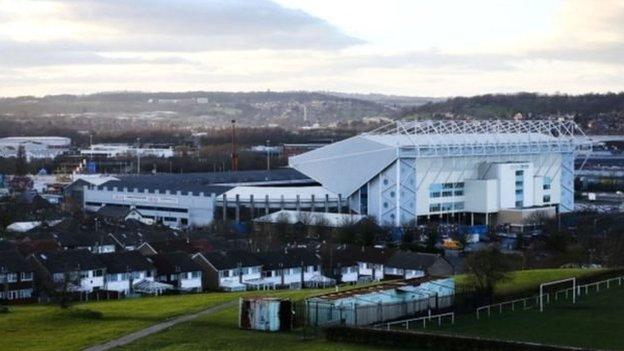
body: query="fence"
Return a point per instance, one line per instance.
(527, 302)
(321, 313)
(406, 322)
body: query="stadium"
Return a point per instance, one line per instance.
(474, 172)
(483, 172)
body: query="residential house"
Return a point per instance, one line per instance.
(16, 277)
(292, 268)
(118, 214)
(125, 269)
(178, 269)
(340, 262)
(371, 262)
(229, 271)
(408, 265)
(82, 237)
(72, 270)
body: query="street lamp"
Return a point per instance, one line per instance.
(268, 155)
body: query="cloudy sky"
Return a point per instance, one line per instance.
(408, 47)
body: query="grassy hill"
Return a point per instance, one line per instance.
(47, 327)
(596, 321)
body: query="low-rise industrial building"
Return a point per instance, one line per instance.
(35, 147)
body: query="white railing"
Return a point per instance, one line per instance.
(525, 302)
(423, 320)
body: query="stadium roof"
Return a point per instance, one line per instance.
(361, 157)
(216, 182)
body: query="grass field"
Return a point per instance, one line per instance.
(44, 328)
(220, 332)
(520, 281)
(596, 321)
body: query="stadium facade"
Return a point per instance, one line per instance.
(415, 170)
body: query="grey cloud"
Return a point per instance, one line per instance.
(37, 55)
(195, 25)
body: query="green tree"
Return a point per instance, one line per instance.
(488, 267)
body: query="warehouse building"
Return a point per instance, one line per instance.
(35, 147)
(466, 170)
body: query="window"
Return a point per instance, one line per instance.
(11, 277)
(364, 199)
(546, 198)
(459, 193)
(547, 182)
(112, 277)
(26, 276)
(447, 193)
(224, 274)
(519, 183)
(195, 274)
(519, 204)
(184, 221)
(296, 270)
(519, 173)
(519, 191)
(98, 273)
(434, 208)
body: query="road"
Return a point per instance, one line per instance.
(126, 339)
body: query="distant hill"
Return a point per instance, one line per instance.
(389, 100)
(287, 109)
(596, 113)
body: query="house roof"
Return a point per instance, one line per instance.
(81, 236)
(28, 246)
(287, 258)
(175, 245)
(412, 260)
(13, 261)
(69, 260)
(125, 261)
(6, 245)
(114, 212)
(347, 255)
(175, 262)
(231, 259)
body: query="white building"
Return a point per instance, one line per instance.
(118, 150)
(412, 171)
(34, 147)
(195, 199)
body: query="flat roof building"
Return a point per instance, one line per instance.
(196, 199)
(35, 147)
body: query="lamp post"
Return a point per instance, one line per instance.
(138, 151)
(268, 155)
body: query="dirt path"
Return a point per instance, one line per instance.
(126, 339)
